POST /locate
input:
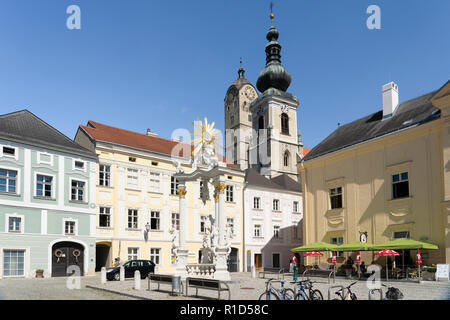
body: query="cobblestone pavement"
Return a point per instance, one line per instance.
(243, 287)
(52, 289)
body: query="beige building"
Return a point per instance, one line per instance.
(386, 174)
(136, 189)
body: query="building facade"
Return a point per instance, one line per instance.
(384, 175)
(47, 200)
(136, 190)
(273, 220)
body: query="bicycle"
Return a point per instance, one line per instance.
(313, 294)
(273, 293)
(349, 295)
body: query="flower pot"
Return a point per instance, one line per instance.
(39, 273)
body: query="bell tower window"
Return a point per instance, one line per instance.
(284, 123)
(286, 158)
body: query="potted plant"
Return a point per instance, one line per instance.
(39, 273)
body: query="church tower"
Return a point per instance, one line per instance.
(275, 145)
(238, 120)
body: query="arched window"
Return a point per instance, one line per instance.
(284, 123)
(286, 158)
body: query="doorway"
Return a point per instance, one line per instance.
(258, 261)
(233, 261)
(102, 256)
(65, 254)
(275, 260)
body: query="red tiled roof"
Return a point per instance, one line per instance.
(103, 132)
(306, 151)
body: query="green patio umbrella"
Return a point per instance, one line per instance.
(356, 246)
(405, 244)
(317, 246)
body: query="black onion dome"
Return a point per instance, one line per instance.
(274, 75)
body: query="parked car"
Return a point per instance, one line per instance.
(145, 267)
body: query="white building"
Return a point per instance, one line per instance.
(272, 220)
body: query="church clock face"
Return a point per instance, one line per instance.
(249, 93)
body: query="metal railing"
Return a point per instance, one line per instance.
(334, 287)
(331, 272)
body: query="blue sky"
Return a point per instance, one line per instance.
(141, 64)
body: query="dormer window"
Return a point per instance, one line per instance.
(79, 165)
(9, 151)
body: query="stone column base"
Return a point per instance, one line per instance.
(181, 270)
(221, 272)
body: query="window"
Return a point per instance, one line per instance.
(154, 220)
(336, 198)
(155, 255)
(133, 253)
(276, 231)
(201, 189)
(203, 224)
(9, 151)
(230, 224)
(257, 231)
(69, 227)
(295, 206)
(235, 151)
(104, 217)
(155, 181)
(8, 180)
(173, 186)
(401, 235)
(229, 194)
(256, 203)
(132, 159)
(104, 175)
(79, 165)
(400, 185)
(286, 159)
(338, 241)
(132, 219)
(77, 193)
(132, 178)
(176, 220)
(44, 186)
(13, 263)
(276, 205)
(284, 123)
(14, 224)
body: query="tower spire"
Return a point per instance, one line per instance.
(241, 70)
(274, 75)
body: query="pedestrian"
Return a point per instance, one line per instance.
(349, 268)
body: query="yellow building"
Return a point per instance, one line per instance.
(386, 174)
(136, 190)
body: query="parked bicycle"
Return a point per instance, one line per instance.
(273, 293)
(346, 293)
(300, 288)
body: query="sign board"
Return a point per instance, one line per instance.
(442, 271)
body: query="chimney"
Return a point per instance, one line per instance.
(150, 133)
(390, 99)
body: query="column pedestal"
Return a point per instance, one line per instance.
(181, 270)
(221, 265)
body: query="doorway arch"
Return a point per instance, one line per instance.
(65, 253)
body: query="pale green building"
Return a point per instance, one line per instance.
(47, 199)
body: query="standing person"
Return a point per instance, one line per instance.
(349, 268)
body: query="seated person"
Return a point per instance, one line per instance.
(363, 267)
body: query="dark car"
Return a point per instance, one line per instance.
(145, 267)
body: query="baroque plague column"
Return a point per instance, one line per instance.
(207, 168)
